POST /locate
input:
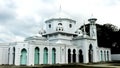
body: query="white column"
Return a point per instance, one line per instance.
(95, 57)
(77, 56)
(103, 56)
(85, 51)
(62, 55)
(30, 55)
(109, 55)
(50, 55)
(58, 55)
(17, 56)
(41, 55)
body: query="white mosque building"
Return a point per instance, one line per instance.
(59, 43)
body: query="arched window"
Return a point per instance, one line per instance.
(90, 53)
(36, 56)
(60, 24)
(74, 55)
(70, 25)
(69, 56)
(49, 25)
(108, 55)
(23, 57)
(8, 55)
(45, 56)
(53, 56)
(101, 55)
(80, 56)
(13, 55)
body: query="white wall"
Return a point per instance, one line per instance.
(3, 55)
(115, 57)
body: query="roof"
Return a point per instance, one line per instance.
(35, 38)
(61, 33)
(60, 15)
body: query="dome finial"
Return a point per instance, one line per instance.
(92, 15)
(60, 8)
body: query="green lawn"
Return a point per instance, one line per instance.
(56, 66)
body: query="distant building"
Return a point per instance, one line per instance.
(60, 43)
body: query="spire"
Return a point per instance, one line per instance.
(60, 8)
(92, 15)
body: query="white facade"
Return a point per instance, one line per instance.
(60, 43)
(115, 57)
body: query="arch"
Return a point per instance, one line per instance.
(53, 56)
(90, 53)
(101, 55)
(74, 55)
(107, 55)
(13, 55)
(70, 25)
(8, 55)
(69, 56)
(36, 56)
(23, 57)
(80, 56)
(45, 56)
(49, 25)
(60, 24)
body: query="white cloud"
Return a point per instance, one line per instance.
(23, 18)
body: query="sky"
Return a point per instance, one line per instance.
(23, 18)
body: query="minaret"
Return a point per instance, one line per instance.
(93, 33)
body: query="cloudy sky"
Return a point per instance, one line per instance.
(24, 18)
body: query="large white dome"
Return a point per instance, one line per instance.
(60, 15)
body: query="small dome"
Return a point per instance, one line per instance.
(92, 18)
(42, 31)
(60, 15)
(79, 32)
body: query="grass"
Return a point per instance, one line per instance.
(55, 66)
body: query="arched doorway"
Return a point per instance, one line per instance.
(107, 55)
(74, 56)
(8, 55)
(45, 56)
(13, 55)
(101, 55)
(90, 53)
(36, 56)
(80, 56)
(69, 56)
(23, 57)
(53, 56)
